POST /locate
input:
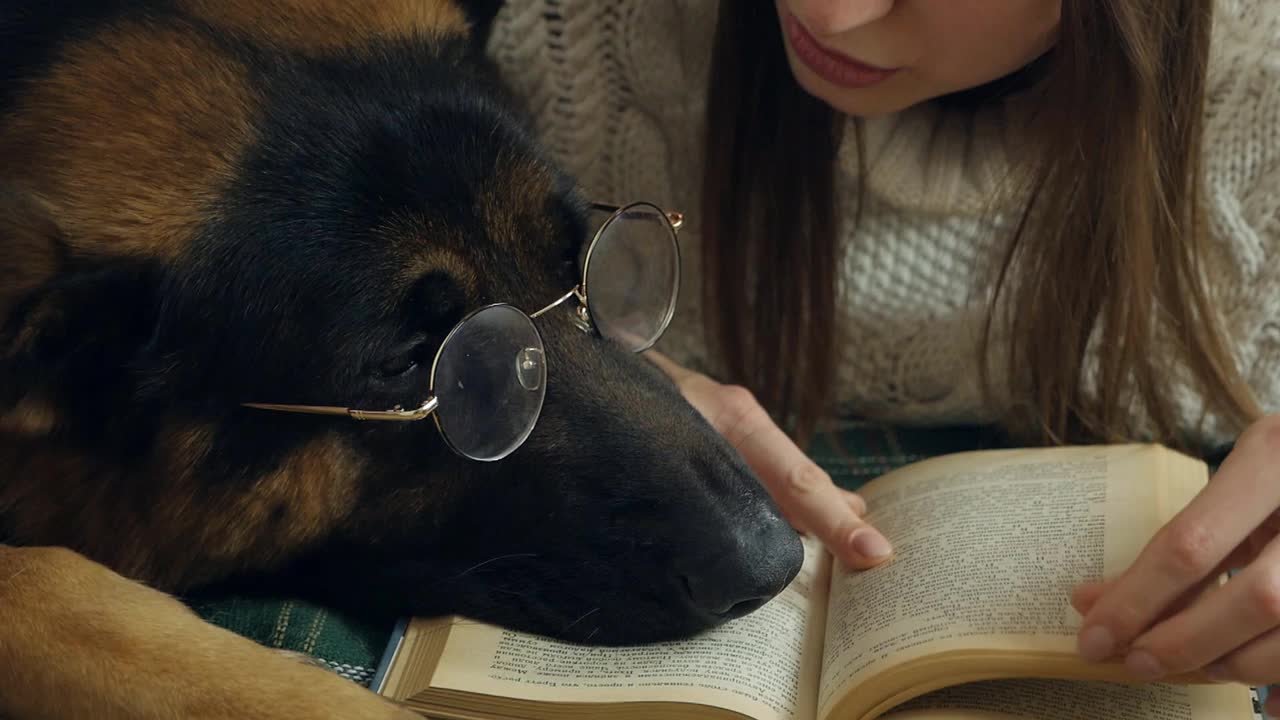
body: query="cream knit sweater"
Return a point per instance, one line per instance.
(617, 88)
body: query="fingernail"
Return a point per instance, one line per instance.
(1144, 665)
(870, 544)
(1096, 644)
(1217, 672)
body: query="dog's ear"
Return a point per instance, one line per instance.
(480, 14)
(70, 327)
(32, 247)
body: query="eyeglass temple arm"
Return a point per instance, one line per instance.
(422, 411)
(576, 291)
(675, 218)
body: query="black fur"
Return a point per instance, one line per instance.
(624, 508)
(481, 15)
(32, 32)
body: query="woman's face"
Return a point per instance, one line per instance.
(870, 57)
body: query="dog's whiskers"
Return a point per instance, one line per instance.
(477, 566)
(584, 616)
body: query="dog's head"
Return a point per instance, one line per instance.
(242, 202)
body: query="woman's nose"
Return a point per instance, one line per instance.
(832, 17)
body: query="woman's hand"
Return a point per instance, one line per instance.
(804, 492)
(1155, 616)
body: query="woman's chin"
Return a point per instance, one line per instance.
(886, 98)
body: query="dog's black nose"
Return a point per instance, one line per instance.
(755, 563)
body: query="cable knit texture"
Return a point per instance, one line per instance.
(617, 88)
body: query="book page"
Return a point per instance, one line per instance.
(1038, 699)
(988, 548)
(764, 665)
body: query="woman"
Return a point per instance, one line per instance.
(1060, 215)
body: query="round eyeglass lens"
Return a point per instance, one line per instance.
(633, 277)
(491, 379)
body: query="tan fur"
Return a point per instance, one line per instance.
(312, 490)
(511, 206)
(419, 261)
(326, 24)
(30, 416)
(99, 142)
(112, 153)
(69, 499)
(28, 234)
(137, 653)
(43, 316)
(513, 203)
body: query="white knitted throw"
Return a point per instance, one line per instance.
(617, 88)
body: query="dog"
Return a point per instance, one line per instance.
(209, 208)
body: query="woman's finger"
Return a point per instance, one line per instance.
(856, 503)
(678, 373)
(1230, 617)
(1257, 663)
(803, 490)
(1190, 547)
(1086, 594)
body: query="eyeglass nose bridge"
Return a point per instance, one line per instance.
(581, 316)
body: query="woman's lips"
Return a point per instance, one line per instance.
(832, 67)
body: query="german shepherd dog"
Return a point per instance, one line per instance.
(210, 203)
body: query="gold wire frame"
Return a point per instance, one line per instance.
(430, 406)
(581, 291)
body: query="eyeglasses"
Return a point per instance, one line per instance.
(488, 378)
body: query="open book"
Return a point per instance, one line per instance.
(971, 620)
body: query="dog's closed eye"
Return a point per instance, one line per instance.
(403, 360)
(434, 305)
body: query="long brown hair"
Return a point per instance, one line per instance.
(1111, 246)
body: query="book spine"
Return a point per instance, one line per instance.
(389, 655)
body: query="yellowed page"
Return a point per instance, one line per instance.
(1066, 700)
(988, 547)
(764, 665)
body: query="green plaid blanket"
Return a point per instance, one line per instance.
(353, 646)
